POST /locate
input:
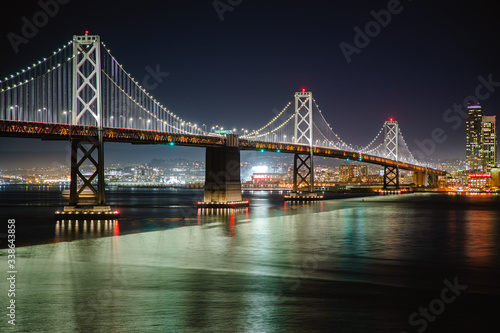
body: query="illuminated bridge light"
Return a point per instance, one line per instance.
(171, 143)
(262, 150)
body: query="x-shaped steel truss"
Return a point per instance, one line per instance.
(302, 174)
(391, 177)
(76, 174)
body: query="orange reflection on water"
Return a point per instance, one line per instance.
(479, 244)
(231, 224)
(116, 229)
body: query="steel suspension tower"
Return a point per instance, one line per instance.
(87, 111)
(391, 172)
(303, 166)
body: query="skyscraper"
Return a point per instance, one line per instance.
(473, 133)
(489, 141)
(473, 136)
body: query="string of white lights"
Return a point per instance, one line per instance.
(338, 138)
(271, 131)
(406, 146)
(146, 93)
(373, 150)
(255, 132)
(373, 141)
(181, 130)
(329, 141)
(38, 76)
(36, 64)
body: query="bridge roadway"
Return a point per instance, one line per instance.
(46, 131)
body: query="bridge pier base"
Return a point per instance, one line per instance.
(222, 176)
(391, 177)
(303, 173)
(87, 199)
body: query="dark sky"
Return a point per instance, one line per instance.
(235, 72)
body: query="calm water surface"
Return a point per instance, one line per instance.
(345, 265)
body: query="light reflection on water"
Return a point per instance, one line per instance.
(357, 265)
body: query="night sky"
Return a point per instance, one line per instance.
(234, 72)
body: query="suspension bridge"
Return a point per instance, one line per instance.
(82, 94)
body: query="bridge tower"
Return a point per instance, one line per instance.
(87, 111)
(391, 172)
(303, 165)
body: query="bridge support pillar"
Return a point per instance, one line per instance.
(391, 177)
(425, 179)
(303, 173)
(222, 176)
(420, 178)
(86, 195)
(303, 179)
(86, 199)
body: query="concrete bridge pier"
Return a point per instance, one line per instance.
(420, 178)
(425, 179)
(222, 176)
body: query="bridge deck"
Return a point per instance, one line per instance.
(47, 131)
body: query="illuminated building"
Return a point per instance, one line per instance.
(473, 135)
(352, 173)
(489, 141)
(495, 177)
(264, 179)
(478, 180)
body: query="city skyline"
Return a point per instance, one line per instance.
(251, 94)
(481, 139)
